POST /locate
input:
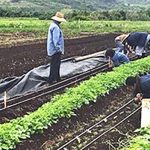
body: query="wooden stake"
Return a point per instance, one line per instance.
(110, 63)
(5, 100)
(145, 115)
(102, 53)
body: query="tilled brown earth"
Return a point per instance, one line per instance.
(65, 129)
(19, 59)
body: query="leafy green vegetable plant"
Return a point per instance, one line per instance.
(64, 105)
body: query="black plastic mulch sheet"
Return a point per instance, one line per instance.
(36, 78)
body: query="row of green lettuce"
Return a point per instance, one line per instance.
(64, 105)
(141, 142)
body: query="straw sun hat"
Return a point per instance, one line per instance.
(59, 17)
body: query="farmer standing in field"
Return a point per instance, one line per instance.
(141, 86)
(138, 41)
(116, 58)
(55, 46)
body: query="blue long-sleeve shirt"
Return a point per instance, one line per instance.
(145, 85)
(136, 39)
(119, 59)
(55, 40)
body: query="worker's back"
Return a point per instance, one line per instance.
(145, 85)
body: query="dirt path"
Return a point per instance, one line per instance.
(19, 59)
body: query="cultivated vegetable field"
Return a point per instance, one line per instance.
(64, 105)
(49, 122)
(33, 28)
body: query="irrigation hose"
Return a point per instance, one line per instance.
(87, 130)
(111, 128)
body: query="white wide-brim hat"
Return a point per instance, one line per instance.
(59, 17)
(122, 37)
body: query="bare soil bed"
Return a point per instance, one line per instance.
(15, 39)
(65, 129)
(19, 58)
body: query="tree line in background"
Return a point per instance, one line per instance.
(70, 14)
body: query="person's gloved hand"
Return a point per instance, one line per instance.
(110, 69)
(138, 98)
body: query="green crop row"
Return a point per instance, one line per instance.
(71, 28)
(64, 105)
(141, 142)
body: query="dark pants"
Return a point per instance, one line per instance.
(55, 68)
(148, 45)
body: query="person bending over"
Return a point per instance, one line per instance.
(138, 41)
(141, 86)
(116, 58)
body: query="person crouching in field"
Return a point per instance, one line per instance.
(55, 46)
(139, 42)
(116, 58)
(141, 86)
